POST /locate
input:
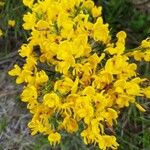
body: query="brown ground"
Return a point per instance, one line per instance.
(14, 134)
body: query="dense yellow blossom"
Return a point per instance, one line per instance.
(68, 79)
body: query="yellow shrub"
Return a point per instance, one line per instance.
(90, 84)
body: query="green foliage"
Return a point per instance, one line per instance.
(40, 143)
(3, 124)
(122, 15)
(133, 130)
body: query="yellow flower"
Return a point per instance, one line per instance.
(1, 33)
(25, 50)
(16, 71)
(29, 94)
(116, 64)
(111, 115)
(120, 44)
(64, 51)
(94, 60)
(54, 138)
(101, 32)
(51, 100)
(101, 80)
(107, 141)
(138, 55)
(36, 126)
(28, 3)
(42, 25)
(101, 102)
(147, 55)
(145, 43)
(88, 136)
(11, 23)
(41, 77)
(121, 36)
(88, 4)
(96, 11)
(29, 21)
(63, 66)
(70, 125)
(80, 46)
(66, 85)
(31, 63)
(147, 92)
(132, 88)
(84, 108)
(89, 91)
(22, 74)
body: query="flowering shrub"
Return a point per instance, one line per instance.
(76, 77)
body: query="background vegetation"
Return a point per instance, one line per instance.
(133, 129)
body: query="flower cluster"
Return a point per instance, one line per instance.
(75, 74)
